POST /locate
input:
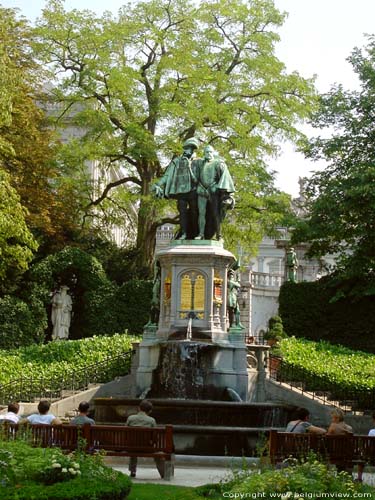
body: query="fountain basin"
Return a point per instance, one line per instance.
(205, 427)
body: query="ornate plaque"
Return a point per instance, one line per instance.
(199, 293)
(186, 293)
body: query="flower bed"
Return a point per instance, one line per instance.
(28, 473)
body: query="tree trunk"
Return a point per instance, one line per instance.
(146, 237)
(146, 231)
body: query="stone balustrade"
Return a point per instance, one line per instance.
(266, 280)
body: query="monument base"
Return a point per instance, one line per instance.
(192, 370)
(191, 354)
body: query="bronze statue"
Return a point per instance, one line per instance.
(180, 182)
(292, 265)
(232, 301)
(215, 186)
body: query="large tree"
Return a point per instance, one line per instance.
(27, 145)
(17, 244)
(162, 71)
(340, 200)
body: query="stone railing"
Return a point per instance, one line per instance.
(265, 280)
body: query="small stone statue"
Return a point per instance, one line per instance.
(232, 301)
(180, 182)
(155, 301)
(61, 313)
(215, 186)
(292, 265)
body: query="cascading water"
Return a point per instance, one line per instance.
(183, 371)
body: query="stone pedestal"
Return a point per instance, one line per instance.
(191, 354)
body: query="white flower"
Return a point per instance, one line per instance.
(64, 469)
(72, 471)
(75, 465)
(55, 465)
(78, 472)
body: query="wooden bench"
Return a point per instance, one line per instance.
(343, 451)
(122, 441)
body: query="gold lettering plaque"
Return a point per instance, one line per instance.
(186, 293)
(199, 294)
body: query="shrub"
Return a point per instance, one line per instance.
(310, 310)
(84, 276)
(58, 359)
(327, 363)
(36, 475)
(275, 329)
(306, 480)
(21, 324)
(99, 305)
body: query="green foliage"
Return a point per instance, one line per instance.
(17, 244)
(275, 329)
(341, 198)
(160, 72)
(311, 477)
(87, 281)
(311, 310)
(145, 491)
(33, 476)
(330, 364)
(21, 324)
(99, 305)
(59, 359)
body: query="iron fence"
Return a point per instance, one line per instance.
(319, 387)
(30, 389)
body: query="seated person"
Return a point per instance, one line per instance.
(338, 426)
(82, 418)
(43, 417)
(12, 415)
(372, 431)
(143, 419)
(301, 425)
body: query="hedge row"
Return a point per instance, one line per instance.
(57, 359)
(308, 310)
(331, 364)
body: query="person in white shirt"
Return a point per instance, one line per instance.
(43, 417)
(372, 431)
(12, 414)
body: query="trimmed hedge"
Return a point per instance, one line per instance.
(57, 359)
(324, 363)
(308, 310)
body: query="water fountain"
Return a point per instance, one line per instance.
(192, 362)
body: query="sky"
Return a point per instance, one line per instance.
(316, 39)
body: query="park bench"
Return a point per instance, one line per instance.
(114, 440)
(345, 451)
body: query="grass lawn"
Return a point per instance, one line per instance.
(163, 492)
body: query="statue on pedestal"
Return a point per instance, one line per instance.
(232, 301)
(292, 265)
(215, 186)
(155, 301)
(180, 182)
(61, 313)
(203, 189)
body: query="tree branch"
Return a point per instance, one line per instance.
(110, 186)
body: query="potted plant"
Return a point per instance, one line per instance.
(275, 331)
